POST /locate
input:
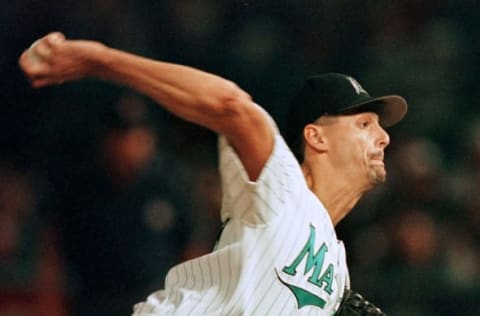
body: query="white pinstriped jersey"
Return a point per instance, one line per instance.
(278, 253)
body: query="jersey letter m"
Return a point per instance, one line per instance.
(319, 278)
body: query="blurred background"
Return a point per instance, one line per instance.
(101, 191)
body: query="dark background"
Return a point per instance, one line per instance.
(77, 232)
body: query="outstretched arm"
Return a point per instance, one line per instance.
(191, 94)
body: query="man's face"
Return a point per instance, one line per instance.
(356, 146)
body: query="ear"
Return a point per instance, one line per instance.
(314, 137)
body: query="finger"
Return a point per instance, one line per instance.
(32, 68)
(55, 38)
(32, 63)
(25, 61)
(43, 82)
(50, 39)
(41, 49)
(40, 83)
(23, 58)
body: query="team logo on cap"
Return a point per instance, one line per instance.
(358, 88)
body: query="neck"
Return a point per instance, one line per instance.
(338, 194)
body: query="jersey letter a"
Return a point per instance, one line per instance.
(315, 261)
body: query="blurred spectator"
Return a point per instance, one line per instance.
(126, 221)
(31, 272)
(420, 259)
(416, 49)
(417, 176)
(427, 49)
(463, 246)
(206, 194)
(465, 177)
(414, 271)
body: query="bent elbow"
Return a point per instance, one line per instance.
(235, 98)
(231, 101)
(224, 108)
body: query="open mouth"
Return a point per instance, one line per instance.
(377, 162)
(377, 158)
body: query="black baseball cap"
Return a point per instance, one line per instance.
(337, 94)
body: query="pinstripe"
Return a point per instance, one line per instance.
(210, 276)
(205, 296)
(242, 194)
(266, 204)
(291, 250)
(238, 174)
(275, 312)
(229, 266)
(248, 274)
(194, 274)
(201, 273)
(190, 275)
(269, 225)
(177, 278)
(210, 272)
(277, 196)
(245, 210)
(240, 212)
(259, 218)
(184, 276)
(224, 279)
(219, 275)
(269, 265)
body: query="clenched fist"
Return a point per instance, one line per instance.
(53, 59)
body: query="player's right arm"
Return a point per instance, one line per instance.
(191, 94)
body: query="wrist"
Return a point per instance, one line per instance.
(99, 59)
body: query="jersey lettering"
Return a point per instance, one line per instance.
(315, 261)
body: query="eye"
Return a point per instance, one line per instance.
(364, 123)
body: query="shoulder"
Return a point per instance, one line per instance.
(252, 137)
(279, 184)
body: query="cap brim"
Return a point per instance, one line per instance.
(390, 109)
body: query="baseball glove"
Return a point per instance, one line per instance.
(353, 304)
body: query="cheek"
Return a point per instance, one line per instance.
(357, 157)
(349, 154)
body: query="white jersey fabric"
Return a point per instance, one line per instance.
(278, 253)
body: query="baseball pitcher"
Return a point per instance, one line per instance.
(278, 253)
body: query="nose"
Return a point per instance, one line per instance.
(383, 139)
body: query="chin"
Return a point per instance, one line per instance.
(380, 179)
(378, 176)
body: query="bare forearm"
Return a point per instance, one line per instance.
(190, 93)
(199, 97)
